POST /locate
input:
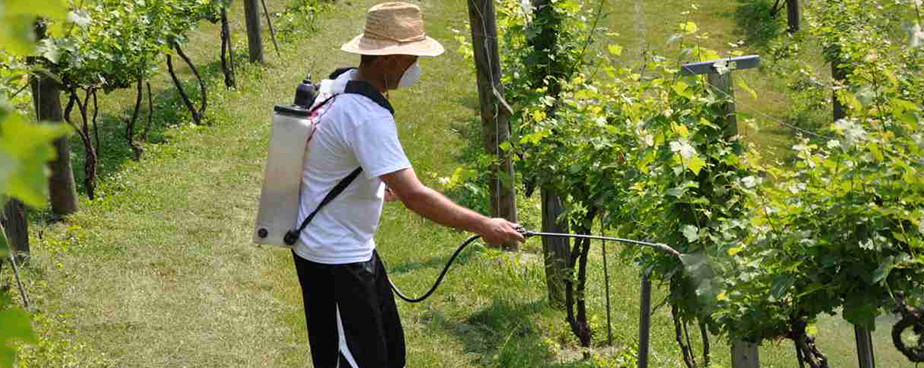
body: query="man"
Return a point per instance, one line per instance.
(351, 312)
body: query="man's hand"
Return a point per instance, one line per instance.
(498, 231)
(390, 195)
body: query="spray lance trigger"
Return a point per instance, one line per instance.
(524, 232)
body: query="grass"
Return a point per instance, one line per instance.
(159, 271)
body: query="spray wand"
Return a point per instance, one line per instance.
(659, 246)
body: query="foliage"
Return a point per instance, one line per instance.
(758, 21)
(533, 56)
(468, 185)
(650, 152)
(16, 21)
(24, 150)
(16, 327)
(544, 47)
(115, 43)
(842, 230)
(14, 82)
(109, 45)
(644, 149)
(298, 19)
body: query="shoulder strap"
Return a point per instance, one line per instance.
(366, 90)
(292, 236)
(339, 71)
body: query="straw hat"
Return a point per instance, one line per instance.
(394, 29)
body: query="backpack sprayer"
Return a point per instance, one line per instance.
(279, 198)
(292, 127)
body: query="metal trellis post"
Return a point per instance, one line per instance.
(719, 77)
(644, 323)
(864, 347)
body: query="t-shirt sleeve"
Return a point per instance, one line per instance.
(376, 146)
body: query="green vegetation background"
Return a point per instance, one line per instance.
(160, 271)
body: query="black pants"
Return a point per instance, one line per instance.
(352, 317)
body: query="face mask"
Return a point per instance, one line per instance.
(411, 76)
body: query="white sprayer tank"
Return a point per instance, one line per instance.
(279, 199)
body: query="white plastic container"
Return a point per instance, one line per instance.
(279, 199)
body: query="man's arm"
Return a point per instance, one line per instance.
(437, 208)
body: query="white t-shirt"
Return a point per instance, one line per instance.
(353, 131)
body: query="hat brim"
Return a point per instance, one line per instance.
(367, 46)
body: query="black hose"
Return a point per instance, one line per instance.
(439, 279)
(526, 234)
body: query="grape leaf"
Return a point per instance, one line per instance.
(24, 150)
(16, 327)
(79, 17)
(691, 233)
(781, 285)
(696, 164)
(17, 18)
(747, 88)
(884, 269)
(861, 312)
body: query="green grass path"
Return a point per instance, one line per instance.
(161, 272)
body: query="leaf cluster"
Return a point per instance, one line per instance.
(111, 44)
(24, 150)
(843, 227)
(768, 247)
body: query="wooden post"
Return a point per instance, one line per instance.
(864, 347)
(494, 115)
(723, 84)
(254, 39)
(46, 97)
(794, 14)
(46, 94)
(644, 322)
(744, 355)
(14, 223)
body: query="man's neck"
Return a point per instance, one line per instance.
(372, 77)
